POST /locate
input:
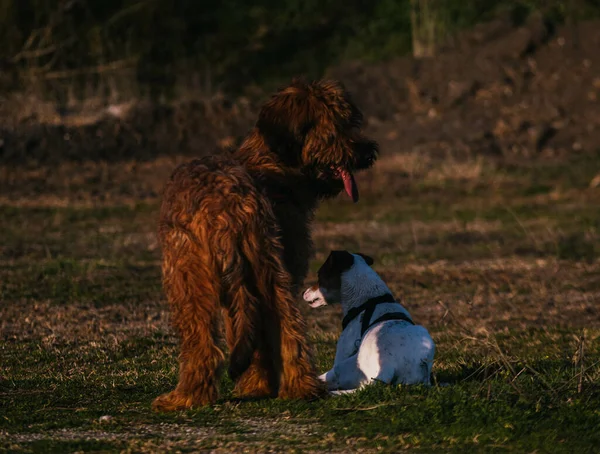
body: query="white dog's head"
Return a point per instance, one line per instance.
(338, 265)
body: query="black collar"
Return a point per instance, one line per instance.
(369, 307)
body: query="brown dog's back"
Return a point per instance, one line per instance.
(215, 240)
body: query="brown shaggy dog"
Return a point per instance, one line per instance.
(236, 244)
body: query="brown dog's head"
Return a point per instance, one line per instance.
(315, 128)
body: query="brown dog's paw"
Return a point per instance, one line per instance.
(253, 390)
(255, 383)
(306, 388)
(172, 401)
(176, 401)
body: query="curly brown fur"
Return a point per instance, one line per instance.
(235, 235)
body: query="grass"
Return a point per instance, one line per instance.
(498, 261)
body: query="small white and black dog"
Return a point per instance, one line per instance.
(379, 340)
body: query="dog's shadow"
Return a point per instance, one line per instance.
(486, 371)
(473, 372)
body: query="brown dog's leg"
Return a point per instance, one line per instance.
(199, 371)
(298, 378)
(245, 331)
(284, 328)
(259, 380)
(194, 297)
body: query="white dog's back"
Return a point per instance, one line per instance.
(396, 352)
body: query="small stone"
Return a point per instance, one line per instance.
(105, 418)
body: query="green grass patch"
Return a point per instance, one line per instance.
(523, 396)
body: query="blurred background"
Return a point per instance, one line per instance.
(188, 75)
(139, 47)
(121, 79)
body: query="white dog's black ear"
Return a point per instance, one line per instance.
(331, 271)
(337, 263)
(367, 259)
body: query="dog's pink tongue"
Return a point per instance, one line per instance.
(350, 185)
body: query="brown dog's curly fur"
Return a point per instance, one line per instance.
(236, 244)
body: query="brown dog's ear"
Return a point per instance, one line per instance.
(325, 142)
(366, 258)
(284, 119)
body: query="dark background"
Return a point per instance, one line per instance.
(112, 80)
(230, 45)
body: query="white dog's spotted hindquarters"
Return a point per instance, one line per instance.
(379, 341)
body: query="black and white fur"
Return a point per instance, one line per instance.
(392, 351)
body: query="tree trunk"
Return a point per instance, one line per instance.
(426, 27)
